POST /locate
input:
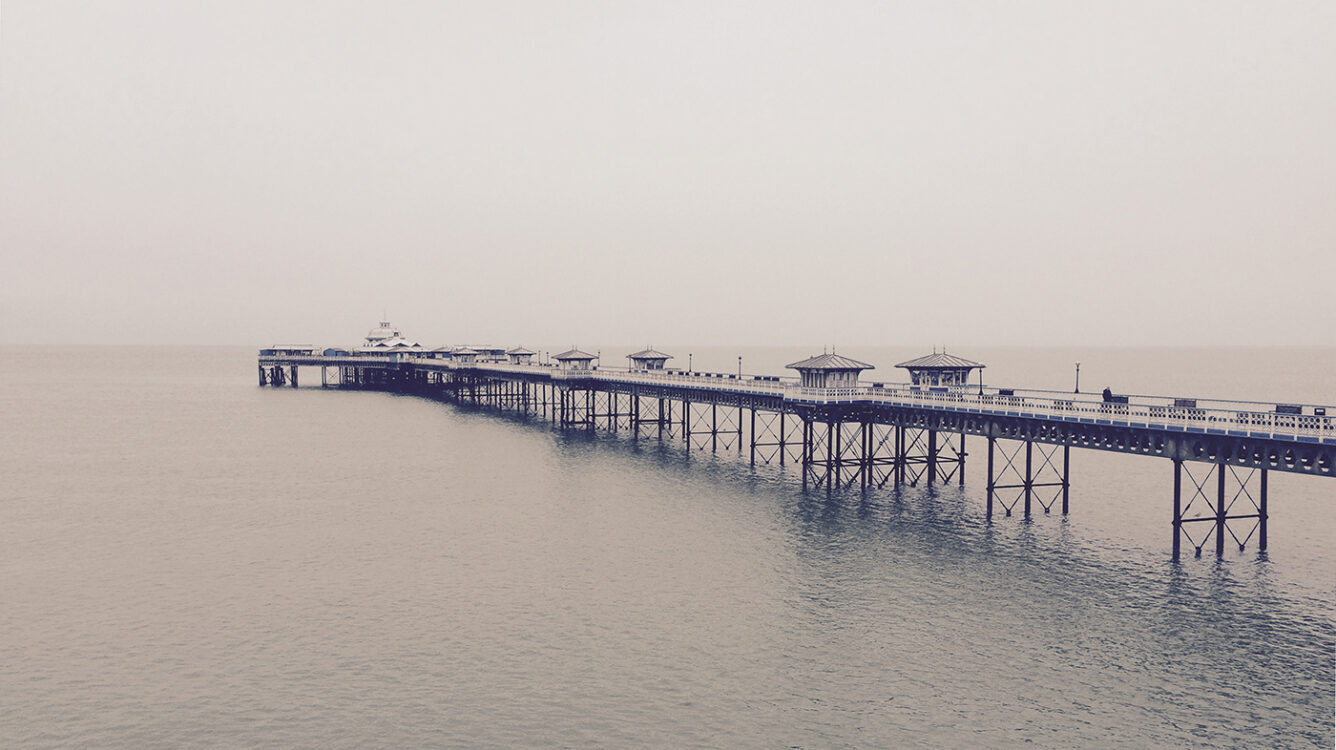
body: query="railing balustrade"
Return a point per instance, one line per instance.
(1190, 415)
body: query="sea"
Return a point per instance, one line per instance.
(189, 560)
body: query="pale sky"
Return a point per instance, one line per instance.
(879, 173)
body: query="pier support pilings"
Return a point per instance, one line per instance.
(1215, 491)
(1030, 473)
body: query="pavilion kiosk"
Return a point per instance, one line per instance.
(825, 456)
(440, 352)
(938, 370)
(648, 359)
(829, 371)
(463, 355)
(520, 356)
(577, 401)
(575, 360)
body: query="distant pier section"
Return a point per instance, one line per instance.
(844, 432)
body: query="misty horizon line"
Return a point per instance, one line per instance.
(636, 346)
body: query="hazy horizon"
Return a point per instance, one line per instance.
(634, 345)
(1029, 174)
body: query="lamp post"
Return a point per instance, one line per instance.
(1078, 378)
(739, 367)
(980, 381)
(690, 369)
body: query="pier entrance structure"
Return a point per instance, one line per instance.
(845, 434)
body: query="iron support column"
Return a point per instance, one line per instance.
(1178, 505)
(899, 454)
(686, 422)
(932, 457)
(1261, 517)
(988, 515)
(1066, 474)
(962, 460)
(1029, 476)
(807, 450)
(740, 424)
(753, 436)
(865, 462)
(830, 454)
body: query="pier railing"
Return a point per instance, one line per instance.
(1224, 417)
(317, 360)
(1239, 418)
(1236, 421)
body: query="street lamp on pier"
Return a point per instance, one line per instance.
(1078, 378)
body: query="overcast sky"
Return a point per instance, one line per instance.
(884, 173)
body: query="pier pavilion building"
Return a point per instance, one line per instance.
(386, 338)
(289, 350)
(648, 359)
(574, 359)
(490, 353)
(464, 355)
(383, 332)
(520, 356)
(440, 352)
(940, 369)
(829, 371)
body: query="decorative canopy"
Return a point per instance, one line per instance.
(941, 361)
(940, 369)
(382, 332)
(830, 362)
(573, 355)
(520, 351)
(829, 371)
(650, 354)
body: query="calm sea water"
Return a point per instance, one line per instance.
(188, 560)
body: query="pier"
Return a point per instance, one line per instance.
(844, 434)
